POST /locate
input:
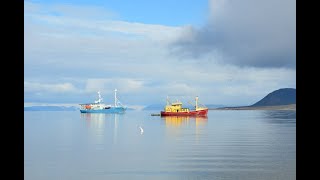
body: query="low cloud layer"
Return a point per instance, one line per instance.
(252, 33)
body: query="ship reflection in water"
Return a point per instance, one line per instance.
(94, 120)
(177, 126)
(97, 122)
(239, 145)
(176, 121)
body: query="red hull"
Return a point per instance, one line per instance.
(191, 113)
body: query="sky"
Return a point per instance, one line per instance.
(226, 52)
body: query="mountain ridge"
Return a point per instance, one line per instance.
(284, 96)
(281, 99)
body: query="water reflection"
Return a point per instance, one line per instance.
(226, 145)
(279, 117)
(95, 120)
(97, 123)
(177, 127)
(201, 121)
(176, 121)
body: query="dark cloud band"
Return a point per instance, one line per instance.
(246, 33)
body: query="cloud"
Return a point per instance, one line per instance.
(68, 58)
(244, 33)
(29, 104)
(125, 85)
(51, 88)
(70, 10)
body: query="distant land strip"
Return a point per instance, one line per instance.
(289, 107)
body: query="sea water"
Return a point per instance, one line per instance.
(228, 144)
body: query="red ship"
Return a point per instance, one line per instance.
(176, 109)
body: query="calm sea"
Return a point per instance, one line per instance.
(235, 145)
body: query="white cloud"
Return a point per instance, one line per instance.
(29, 104)
(48, 88)
(125, 85)
(91, 54)
(79, 26)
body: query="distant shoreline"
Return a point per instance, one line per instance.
(290, 107)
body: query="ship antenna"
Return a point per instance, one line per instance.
(196, 102)
(115, 98)
(99, 99)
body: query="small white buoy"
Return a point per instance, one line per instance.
(141, 130)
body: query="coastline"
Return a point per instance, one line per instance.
(290, 107)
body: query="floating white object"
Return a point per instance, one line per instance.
(141, 130)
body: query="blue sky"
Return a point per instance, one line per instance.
(165, 12)
(225, 52)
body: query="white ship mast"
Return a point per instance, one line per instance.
(115, 98)
(100, 99)
(117, 103)
(197, 102)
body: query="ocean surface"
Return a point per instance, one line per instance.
(233, 145)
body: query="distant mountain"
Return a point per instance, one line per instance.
(154, 107)
(283, 96)
(281, 99)
(50, 108)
